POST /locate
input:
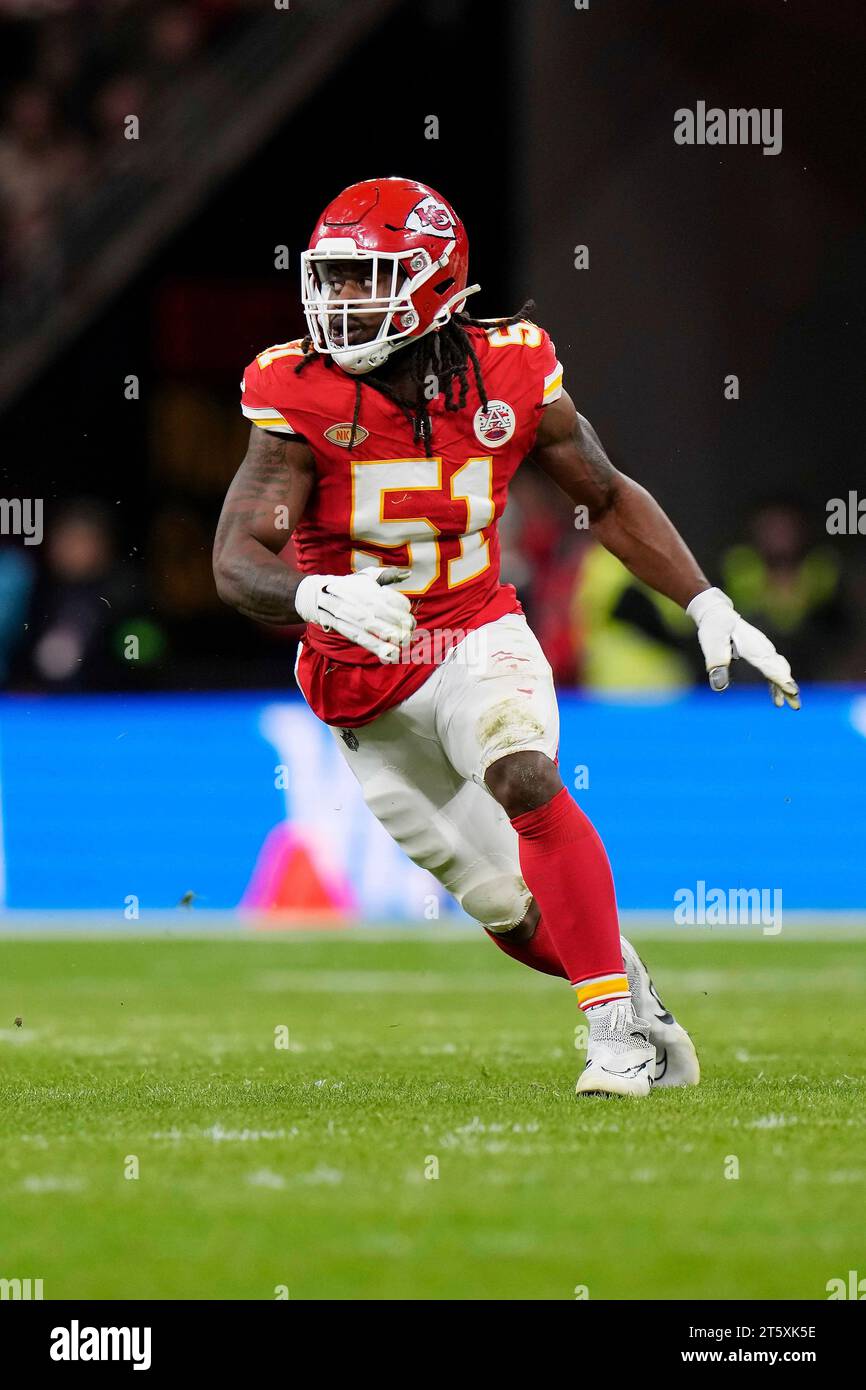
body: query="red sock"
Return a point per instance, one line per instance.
(539, 952)
(565, 867)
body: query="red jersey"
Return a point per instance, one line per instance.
(384, 503)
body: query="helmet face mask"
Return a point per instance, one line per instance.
(386, 312)
(411, 248)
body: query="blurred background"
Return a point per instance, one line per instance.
(154, 158)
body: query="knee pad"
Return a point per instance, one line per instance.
(498, 901)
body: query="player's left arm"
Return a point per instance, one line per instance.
(630, 524)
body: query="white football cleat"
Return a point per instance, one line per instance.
(676, 1059)
(620, 1059)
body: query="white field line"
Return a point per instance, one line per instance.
(181, 924)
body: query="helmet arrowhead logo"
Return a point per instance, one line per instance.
(431, 218)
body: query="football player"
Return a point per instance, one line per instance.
(384, 443)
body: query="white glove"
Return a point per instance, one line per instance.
(723, 634)
(360, 608)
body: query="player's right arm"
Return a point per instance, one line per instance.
(263, 506)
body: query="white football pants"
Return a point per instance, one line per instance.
(421, 765)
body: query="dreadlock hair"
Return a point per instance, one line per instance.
(446, 356)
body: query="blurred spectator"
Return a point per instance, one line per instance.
(83, 69)
(174, 40)
(41, 169)
(795, 590)
(16, 583)
(80, 608)
(540, 556)
(124, 94)
(631, 638)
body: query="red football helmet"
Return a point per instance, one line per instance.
(415, 253)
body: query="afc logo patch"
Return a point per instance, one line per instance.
(431, 218)
(350, 738)
(495, 425)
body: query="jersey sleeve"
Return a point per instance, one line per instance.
(263, 392)
(526, 357)
(551, 370)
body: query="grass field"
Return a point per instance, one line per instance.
(304, 1166)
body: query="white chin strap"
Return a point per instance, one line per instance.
(367, 357)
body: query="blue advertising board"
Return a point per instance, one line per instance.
(246, 800)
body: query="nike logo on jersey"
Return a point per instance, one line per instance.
(342, 434)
